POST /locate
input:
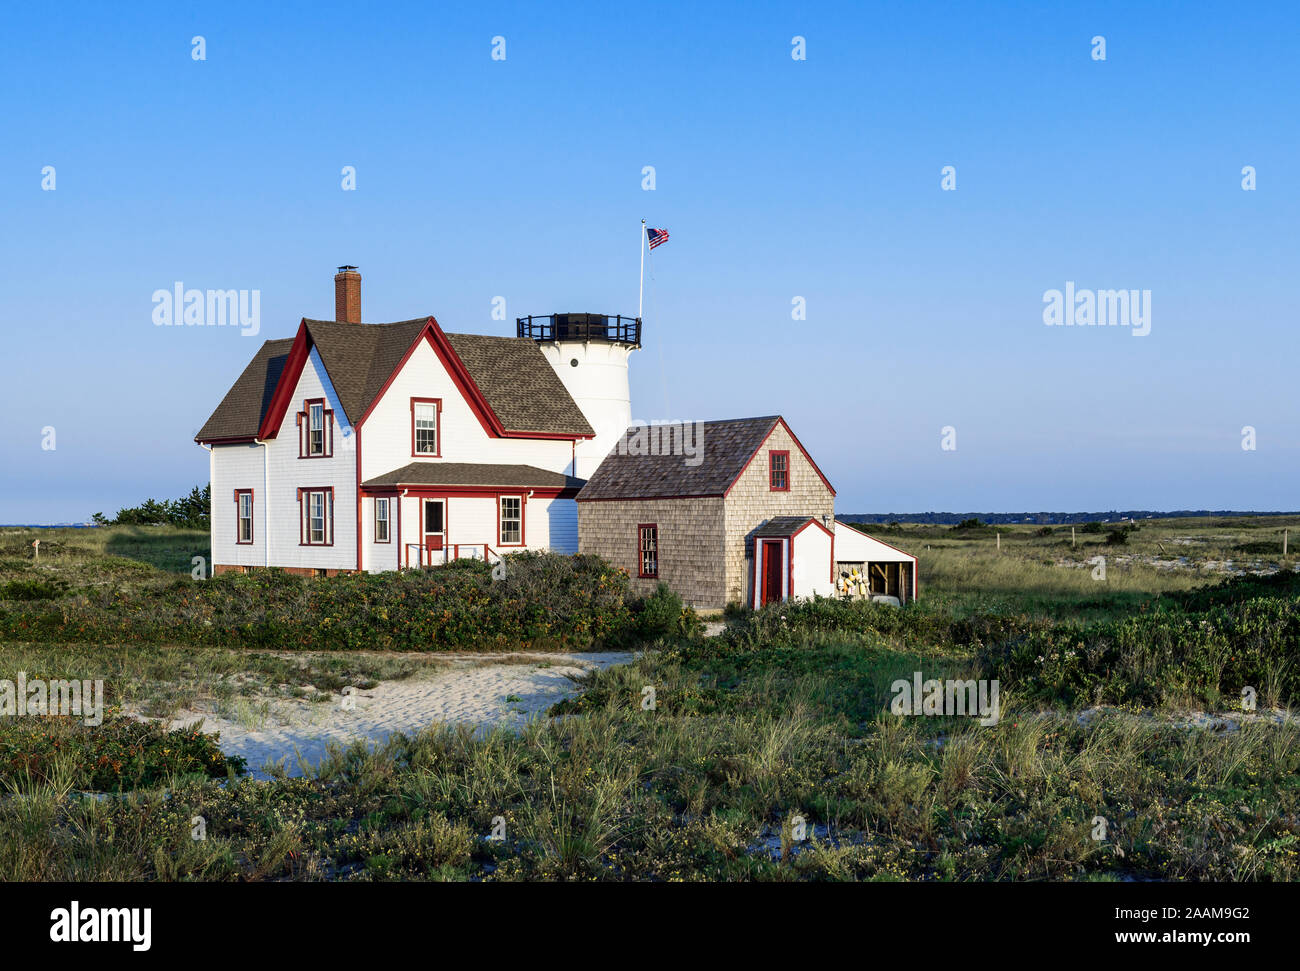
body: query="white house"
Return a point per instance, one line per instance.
(372, 447)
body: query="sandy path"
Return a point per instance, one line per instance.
(297, 730)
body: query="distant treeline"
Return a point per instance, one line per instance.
(1042, 518)
(190, 512)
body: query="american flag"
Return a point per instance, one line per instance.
(656, 236)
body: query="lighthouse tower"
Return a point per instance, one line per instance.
(589, 352)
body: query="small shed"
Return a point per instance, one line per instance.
(870, 568)
(689, 518)
(792, 558)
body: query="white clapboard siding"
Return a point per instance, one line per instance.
(237, 467)
(811, 562)
(276, 509)
(386, 433)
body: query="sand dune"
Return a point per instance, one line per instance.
(464, 691)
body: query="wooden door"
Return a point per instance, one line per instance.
(435, 525)
(773, 575)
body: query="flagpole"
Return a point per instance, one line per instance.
(641, 292)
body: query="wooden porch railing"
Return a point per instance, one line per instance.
(452, 551)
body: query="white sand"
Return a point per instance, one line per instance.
(297, 730)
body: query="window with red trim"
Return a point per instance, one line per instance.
(315, 430)
(426, 427)
(648, 549)
(510, 531)
(316, 515)
(382, 534)
(244, 516)
(778, 471)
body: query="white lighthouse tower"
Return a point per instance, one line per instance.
(590, 352)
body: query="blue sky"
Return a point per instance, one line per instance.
(777, 178)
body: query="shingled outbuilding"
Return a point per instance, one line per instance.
(742, 516)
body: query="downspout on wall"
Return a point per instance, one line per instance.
(212, 467)
(266, 500)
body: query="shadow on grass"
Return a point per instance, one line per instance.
(163, 547)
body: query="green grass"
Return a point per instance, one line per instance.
(785, 716)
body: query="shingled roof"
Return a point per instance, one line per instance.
(728, 447)
(242, 409)
(474, 474)
(513, 375)
(784, 526)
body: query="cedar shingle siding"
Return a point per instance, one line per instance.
(707, 515)
(691, 543)
(750, 503)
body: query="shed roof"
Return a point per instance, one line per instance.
(474, 474)
(784, 525)
(854, 546)
(728, 447)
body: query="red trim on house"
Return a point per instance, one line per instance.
(252, 505)
(446, 523)
(814, 521)
(437, 428)
(640, 553)
(356, 487)
(794, 438)
(772, 454)
(916, 571)
(465, 384)
(523, 502)
(230, 440)
(759, 594)
(304, 430)
(288, 381)
(789, 568)
(388, 519)
(877, 539)
(433, 491)
(304, 515)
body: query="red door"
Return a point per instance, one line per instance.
(773, 575)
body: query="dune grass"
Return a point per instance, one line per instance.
(778, 729)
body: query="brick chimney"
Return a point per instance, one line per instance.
(347, 295)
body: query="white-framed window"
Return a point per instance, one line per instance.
(317, 516)
(425, 413)
(511, 532)
(381, 521)
(244, 516)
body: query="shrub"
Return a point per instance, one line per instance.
(540, 599)
(663, 614)
(1092, 527)
(50, 589)
(118, 755)
(1183, 650)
